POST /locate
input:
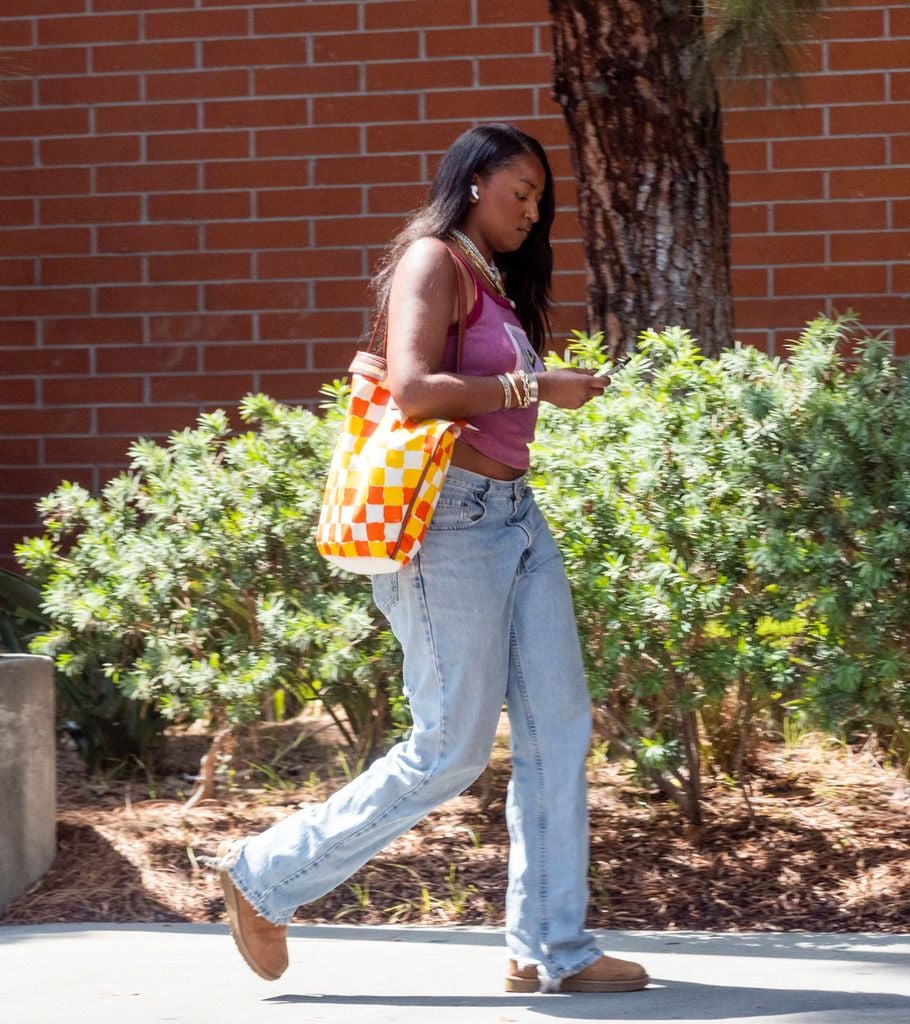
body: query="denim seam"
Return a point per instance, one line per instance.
(425, 779)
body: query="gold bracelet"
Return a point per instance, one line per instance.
(519, 398)
(526, 384)
(506, 390)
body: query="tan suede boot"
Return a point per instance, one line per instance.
(605, 975)
(262, 944)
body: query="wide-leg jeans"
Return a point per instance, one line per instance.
(484, 616)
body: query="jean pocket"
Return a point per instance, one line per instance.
(458, 513)
(385, 591)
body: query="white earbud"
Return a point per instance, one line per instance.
(475, 194)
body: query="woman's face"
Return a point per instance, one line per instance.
(507, 205)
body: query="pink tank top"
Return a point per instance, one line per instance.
(494, 343)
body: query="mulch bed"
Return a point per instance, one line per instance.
(826, 846)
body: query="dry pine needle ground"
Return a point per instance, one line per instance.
(827, 848)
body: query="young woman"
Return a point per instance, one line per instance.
(483, 612)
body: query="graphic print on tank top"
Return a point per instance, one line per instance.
(525, 357)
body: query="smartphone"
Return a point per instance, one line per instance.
(609, 368)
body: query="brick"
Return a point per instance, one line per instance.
(418, 137)
(138, 5)
(201, 327)
(769, 313)
(67, 60)
(437, 74)
(748, 281)
(850, 56)
(17, 273)
(893, 181)
(18, 92)
(361, 230)
(201, 267)
(146, 178)
(16, 153)
(18, 391)
(900, 149)
(40, 481)
(749, 218)
(15, 33)
(514, 70)
(341, 294)
(93, 28)
(256, 113)
(875, 311)
(198, 145)
(746, 156)
(257, 356)
(829, 89)
(738, 93)
(147, 359)
(395, 198)
(148, 238)
(88, 91)
(16, 212)
(94, 391)
(213, 387)
(143, 56)
(862, 24)
(185, 85)
(902, 277)
(50, 362)
(90, 451)
(365, 47)
(830, 216)
(199, 206)
(195, 24)
(44, 241)
(145, 420)
(748, 186)
(17, 332)
(301, 19)
(91, 151)
(98, 330)
(292, 387)
(882, 118)
(150, 117)
(157, 298)
(45, 302)
(26, 8)
(827, 280)
(863, 152)
(872, 246)
(252, 53)
(362, 109)
(770, 250)
(773, 124)
(307, 141)
(56, 121)
(302, 81)
(479, 41)
(374, 169)
(507, 12)
(296, 325)
(255, 174)
(418, 14)
(309, 263)
(89, 270)
(900, 21)
(41, 422)
(474, 103)
(568, 255)
(273, 234)
(90, 210)
(255, 296)
(18, 452)
(306, 202)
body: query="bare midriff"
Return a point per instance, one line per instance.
(472, 460)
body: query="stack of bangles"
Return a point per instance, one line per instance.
(519, 389)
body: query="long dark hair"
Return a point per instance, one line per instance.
(528, 270)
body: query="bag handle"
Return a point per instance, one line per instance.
(462, 295)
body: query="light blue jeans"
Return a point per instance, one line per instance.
(485, 618)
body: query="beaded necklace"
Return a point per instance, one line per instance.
(489, 270)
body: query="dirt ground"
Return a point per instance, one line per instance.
(826, 847)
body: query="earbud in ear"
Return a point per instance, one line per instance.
(475, 193)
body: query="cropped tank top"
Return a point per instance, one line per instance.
(494, 343)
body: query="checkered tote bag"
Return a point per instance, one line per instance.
(386, 472)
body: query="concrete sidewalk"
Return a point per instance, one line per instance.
(145, 974)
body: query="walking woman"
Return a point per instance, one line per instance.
(483, 612)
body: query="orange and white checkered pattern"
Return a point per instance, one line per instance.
(384, 478)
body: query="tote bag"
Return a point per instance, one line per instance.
(386, 471)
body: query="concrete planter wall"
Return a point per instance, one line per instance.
(28, 832)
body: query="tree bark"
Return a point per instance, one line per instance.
(645, 136)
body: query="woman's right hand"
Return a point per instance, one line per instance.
(570, 389)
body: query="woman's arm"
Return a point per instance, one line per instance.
(422, 305)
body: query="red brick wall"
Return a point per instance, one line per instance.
(193, 194)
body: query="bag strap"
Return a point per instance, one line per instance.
(462, 294)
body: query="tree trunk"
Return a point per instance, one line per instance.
(647, 151)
